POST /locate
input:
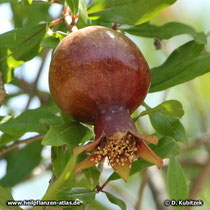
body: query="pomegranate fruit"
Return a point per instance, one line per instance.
(98, 75)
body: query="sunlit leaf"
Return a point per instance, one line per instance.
(170, 107)
(73, 4)
(23, 44)
(127, 11)
(30, 1)
(83, 16)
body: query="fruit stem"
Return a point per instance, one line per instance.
(113, 121)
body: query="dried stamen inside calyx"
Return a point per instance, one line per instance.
(118, 151)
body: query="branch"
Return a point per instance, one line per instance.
(34, 84)
(205, 139)
(69, 20)
(157, 187)
(3, 93)
(200, 181)
(13, 146)
(141, 190)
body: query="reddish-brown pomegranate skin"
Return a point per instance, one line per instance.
(99, 76)
(95, 68)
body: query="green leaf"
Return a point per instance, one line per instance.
(163, 149)
(6, 138)
(47, 123)
(167, 123)
(170, 107)
(21, 163)
(30, 1)
(184, 64)
(25, 15)
(12, 63)
(73, 4)
(59, 159)
(83, 16)
(116, 200)
(66, 118)
(72, 133)
(168, 126)
(92, 175)
(50, 42)
(59, 34)
(165, 31)
(66, 174)
(28, 121)
(83, 194)
(23, 44)
(176, 182)
(5, 195)
(53, 40)
(127, 11)
(98, 205)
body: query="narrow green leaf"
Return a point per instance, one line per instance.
(73, 4)
(83, 194)
(163, 149)
(21, 163)
(72, 133)
(170, 107)
(176, 181)
(184, 64)
(165, 31)
(116, 200)
(83, 16)
(92, 175)
(5, 195)
(127, 11)
(28, 121)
